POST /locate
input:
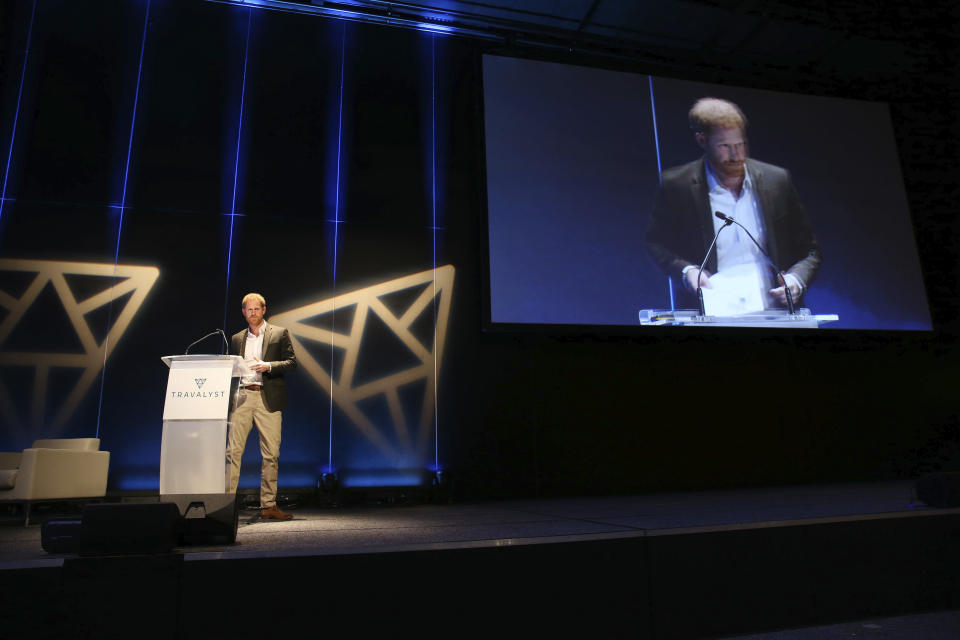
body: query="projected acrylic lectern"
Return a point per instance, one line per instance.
(775, 319)
(201, 392)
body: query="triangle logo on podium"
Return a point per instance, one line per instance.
(427, 294)
(82, 306)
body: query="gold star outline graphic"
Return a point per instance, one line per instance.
(343, 390)
(126, 279)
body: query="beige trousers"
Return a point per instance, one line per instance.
(250, 411)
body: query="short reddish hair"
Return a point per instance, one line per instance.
(708, 114)
(253, 296)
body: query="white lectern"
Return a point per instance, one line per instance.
(201, 392)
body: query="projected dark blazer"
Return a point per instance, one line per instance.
(278, 351)
(681, 224)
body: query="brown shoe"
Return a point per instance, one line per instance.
(272, 513)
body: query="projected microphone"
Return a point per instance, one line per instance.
(212, 333)
(726, 223)
(728, 220)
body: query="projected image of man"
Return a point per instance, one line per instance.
(759, 196)
(268, 352)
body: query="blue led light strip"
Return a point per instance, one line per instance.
(656, 140)
(656, 134)
(336, 233)
(433, 166)
(133, 121)
(236, 167)
(122, 208)
(423, 22)
(16, 114)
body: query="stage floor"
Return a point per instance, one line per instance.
(378, 528)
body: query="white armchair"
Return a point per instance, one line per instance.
(58, 469)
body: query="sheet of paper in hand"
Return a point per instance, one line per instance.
(736, 290)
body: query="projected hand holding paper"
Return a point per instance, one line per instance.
(692, 280)
(787, 281)
(734, 291)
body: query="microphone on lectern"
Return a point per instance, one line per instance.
(728, 221)
(212, 333)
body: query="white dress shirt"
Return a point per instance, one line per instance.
(734, 246)
(252, 354)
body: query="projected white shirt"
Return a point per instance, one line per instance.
(734, 246)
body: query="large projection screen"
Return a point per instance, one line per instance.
(574, 158)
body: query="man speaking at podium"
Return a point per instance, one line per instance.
(268, 352)
(759, 196)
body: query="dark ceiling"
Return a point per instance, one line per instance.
(867, 41)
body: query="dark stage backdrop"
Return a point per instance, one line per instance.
(158, 165)
(165, 163)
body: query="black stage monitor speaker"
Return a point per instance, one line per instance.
(939, 489)
(129, 528)
(61, 535)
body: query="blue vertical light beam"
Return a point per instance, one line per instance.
(433, 166)
(336, 232)
(656, 141)
(236, 167)
(336, 206)
(16, 114)
(656, 134)
(123, 204)
(133, 122)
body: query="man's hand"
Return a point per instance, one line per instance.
(690, 278)
(261, 367)
(780, 293)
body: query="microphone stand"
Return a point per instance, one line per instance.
(783, 280)
(726, 223)
(226, 343)
(212, 333)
